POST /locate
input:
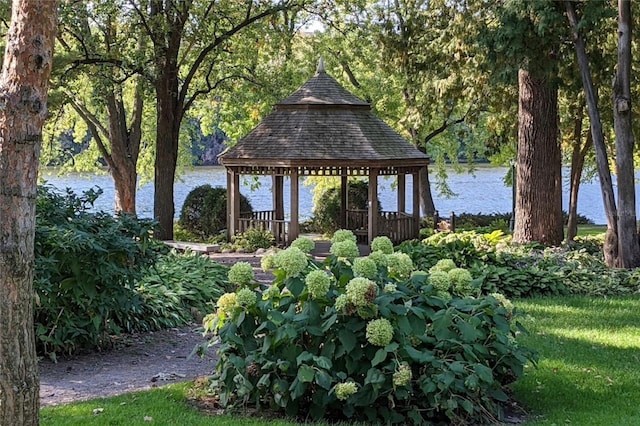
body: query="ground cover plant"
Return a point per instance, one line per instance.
(97, 276)
(328, 340)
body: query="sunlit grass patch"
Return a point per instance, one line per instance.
(589, 355)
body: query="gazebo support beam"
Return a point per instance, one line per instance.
(294, 231)
(278, 196)
(373, 204)
(401, 193)
(416, 204)
(344, 200)
(233, 202)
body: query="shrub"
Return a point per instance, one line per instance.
(253, 239)
(388, 350)
(86, 267)
(326, 213)
(204, 212)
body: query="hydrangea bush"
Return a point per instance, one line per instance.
(336, 340)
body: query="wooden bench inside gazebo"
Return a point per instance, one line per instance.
(323, 130)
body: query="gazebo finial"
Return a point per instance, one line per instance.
(320, 65)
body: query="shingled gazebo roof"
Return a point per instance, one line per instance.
(323, 125)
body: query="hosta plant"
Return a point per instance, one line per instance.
(332, 340)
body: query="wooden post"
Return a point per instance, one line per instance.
(401, 193)
(294, 231)
(416, 204)
(278, 196)
(344, 201)
(373, 205)
(233, 202)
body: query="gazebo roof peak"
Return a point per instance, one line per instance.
(320, 66)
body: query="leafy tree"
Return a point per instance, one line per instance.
(24, 83)
(100, 81)
(193, 43)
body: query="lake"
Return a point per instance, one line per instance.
(480, 192)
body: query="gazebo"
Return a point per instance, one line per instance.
(323, 130)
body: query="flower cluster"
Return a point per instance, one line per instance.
(400, 264)
(382, 244)
(246, 297)
(303, 243)
(271, 292)
(292, 261)
(461, 281)
(361, 291)
(379, 332)
(402, 376)
(317, 283)
(506, 303)
(345, 390)
(341, 302)
(379, 257)
(241, 273)
(343, 235)
(444, 265)
(346, 248)
(440, 280)
(365, 267)
(390, 288)
(227, 302)
(267, 262)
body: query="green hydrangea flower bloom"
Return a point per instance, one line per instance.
(440, 280)
(246, 297)
(382, 244)
(400, 264)
(347, 248)
(361, 291)
(402, 376)
(345, 390)
(303, 243)
(379, 332)
(318, 284)
(292, 261)
(390, 288)
(379, 257)
(341, 302)
(461, 281)
(444, 295)
(506, 303)
(241, 273)
(267, 262)
(343, 235)
(271, 292)
(227, 302)
(444, 265)
(365, 267)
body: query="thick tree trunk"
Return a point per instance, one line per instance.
(610, 247)
(426, 197)
(578, 154)
(167, 136)
(628, 248)
(539, 190)
(23, 97)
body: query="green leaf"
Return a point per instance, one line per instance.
(379, 357)
(323, 379)
(326, 325)
(323, 362)
(297, 389)
(276, 317)
(305, 373)
(296, 286)
(421, 357)
(374, 376)
(304, 357)
(484, 373)
(347, 338)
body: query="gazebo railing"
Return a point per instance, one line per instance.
(265, 220)
(395, 225)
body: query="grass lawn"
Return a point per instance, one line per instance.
(591, 229)
(588, 374)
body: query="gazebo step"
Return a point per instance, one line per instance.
(197, 247)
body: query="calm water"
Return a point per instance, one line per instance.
(480, 192)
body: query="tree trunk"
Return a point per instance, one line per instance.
(539, 174)
(628, 248)
(578, 154)
(610, 247)
(23, 96)
(167, 136)
(426, 198)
